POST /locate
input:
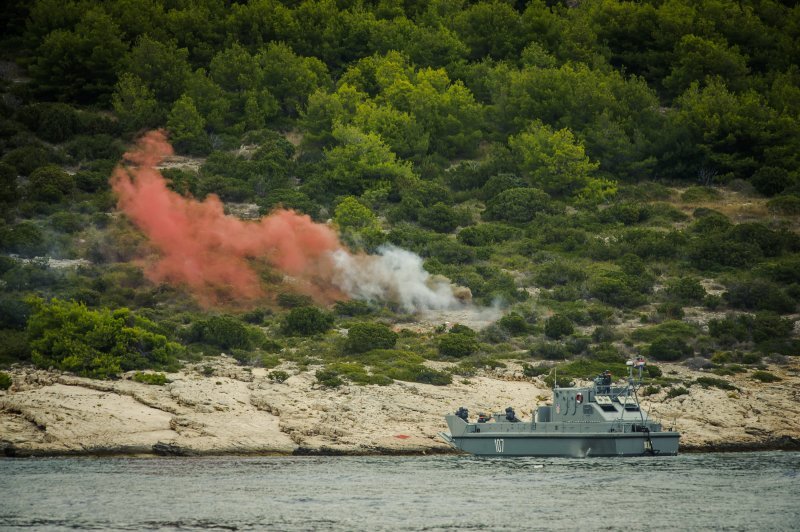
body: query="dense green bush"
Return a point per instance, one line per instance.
(278, 376)
(515, 323)
(700, 195)
(306, 321)
(293, 300)
(559, 273)
(769, 180)
(685, 290)
(362, 337)
(669, 349)
(764, 376)
(758, 294)
(713, 382)
(14, 312)
(457, 345)
(5, 380)
(616, 289)
(519, 205)
(550, 351)
(787, 205)
(155, 379)
(96, 343)
(328, 378)
(50, 184)
(225, 332)
(558, 326)
(744, 327)
(53, 122)
(25, 238)
(352, 307)
(439, 217)
(668, 328)
(487, 234)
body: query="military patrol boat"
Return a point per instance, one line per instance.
(600, 419)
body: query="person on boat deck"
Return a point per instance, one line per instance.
(511, 416)
(604, 381)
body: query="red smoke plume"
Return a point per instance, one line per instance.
(207, 251)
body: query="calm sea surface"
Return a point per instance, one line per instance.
(742, 491)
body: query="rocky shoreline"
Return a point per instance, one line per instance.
(234, 410)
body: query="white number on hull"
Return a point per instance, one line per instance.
(499, 445)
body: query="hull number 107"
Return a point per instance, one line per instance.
(499, 445)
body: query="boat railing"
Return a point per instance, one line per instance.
(610, 390)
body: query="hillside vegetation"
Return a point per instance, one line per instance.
(621, 178)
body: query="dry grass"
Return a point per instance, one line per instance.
(739, 207)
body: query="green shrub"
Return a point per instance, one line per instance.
(457, 345)
(669, 348)
(277, 376)
(255, 316)
(759, 328)
(404, 366)
(519, 205)
(67, 222)
(5, 380)
(458, 328)
(615, 288)
(328, 378)
(28, 158)
(652, 244)
(534, 371)
(714, 251)
(514, 323)
(686, 290)
(559, 273)
(713, 382)
(306, 321)
(671, 310)
(225, 332)
(651, 390)
(291, 300)
(668, 328)
(24, 238)
(606, 353)
(700, 195)
(439, 217)
(788, 205)
(96, 343)
(156, 379)
(625, 213)
(14, 312)
(53, 122)
(49, 184)
(676, 391)
(367, 336)
(764, 376)
(450, 252)
(550, 351)
(487, 234)
(769, 180)
(558, 326)
(14, 347)
(425, 375)
(785, 270)
(758, 294)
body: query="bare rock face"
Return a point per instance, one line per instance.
(219, 407)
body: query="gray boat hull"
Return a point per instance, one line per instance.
(572, 445)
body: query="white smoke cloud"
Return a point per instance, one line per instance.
(393, 274)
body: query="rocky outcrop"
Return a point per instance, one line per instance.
(220, 408)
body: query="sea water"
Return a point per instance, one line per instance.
(738, 491)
